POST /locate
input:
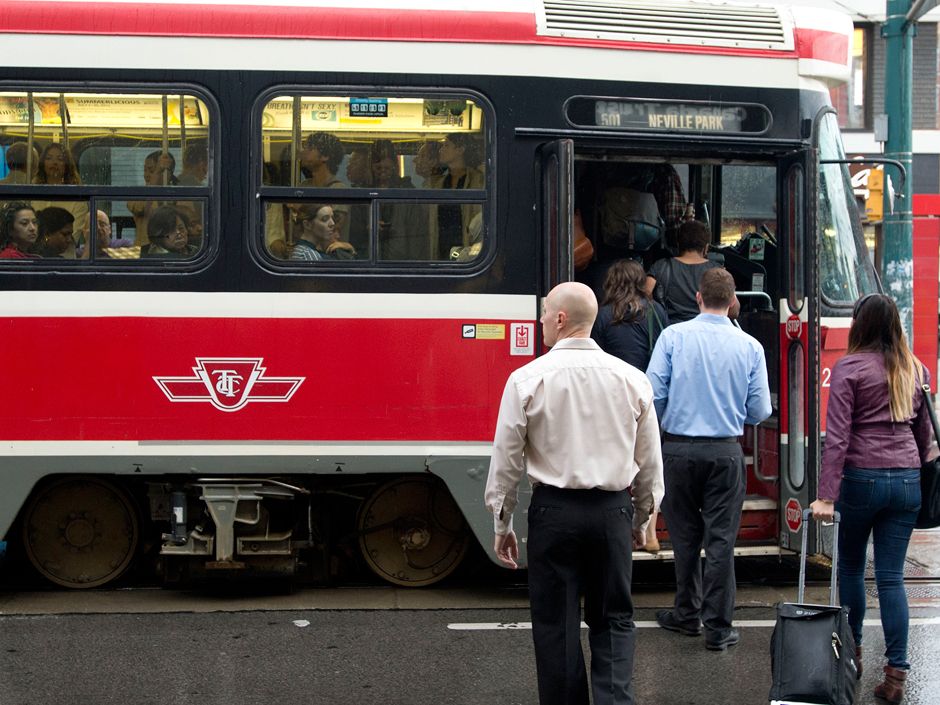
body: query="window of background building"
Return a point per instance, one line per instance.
(852, 99)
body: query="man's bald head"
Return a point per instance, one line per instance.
(570, 310)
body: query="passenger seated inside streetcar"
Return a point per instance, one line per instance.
(19, 229)
(471, 251)
(169, 235)
(107, 247)
(102, 234)
(55, 232)
(318, 237)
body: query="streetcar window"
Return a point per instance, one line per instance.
(98, 147)
(404, 177)
(845, 271)
(748, 201)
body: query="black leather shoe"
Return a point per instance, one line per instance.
(667, 620)
(720, 643)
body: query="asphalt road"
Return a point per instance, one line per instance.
(361, 657)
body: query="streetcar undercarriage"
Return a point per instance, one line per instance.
(84, 532)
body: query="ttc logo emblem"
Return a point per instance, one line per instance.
(228, 383)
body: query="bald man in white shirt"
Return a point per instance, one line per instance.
(581, 424)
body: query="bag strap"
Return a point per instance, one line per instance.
(650, 315)
(931, 412)
(659, 321)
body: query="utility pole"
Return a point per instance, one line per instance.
(897, 264)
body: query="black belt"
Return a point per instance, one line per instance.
(699, 439)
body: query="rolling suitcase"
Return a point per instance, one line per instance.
(812, 649)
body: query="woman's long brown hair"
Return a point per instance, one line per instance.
(624, 290)
(876, 327)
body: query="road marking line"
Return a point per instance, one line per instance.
(755, 623)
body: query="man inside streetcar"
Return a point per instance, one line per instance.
(320, 159)
(158, 171)
(427, 163)
(16, 158)
(359, 167)
(195, 165)
(403, 227)
(359, 173)
(195, 172)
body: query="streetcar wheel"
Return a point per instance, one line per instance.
(412, 533)
(80, 532)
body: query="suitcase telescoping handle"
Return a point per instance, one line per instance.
(833, 592)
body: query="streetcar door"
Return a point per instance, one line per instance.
(557, 212)
(799, 343)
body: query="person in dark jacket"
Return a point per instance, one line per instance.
(627, 326)
(877, 437)
(629, 322)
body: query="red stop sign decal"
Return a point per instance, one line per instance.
(794, 515)
(794, 327)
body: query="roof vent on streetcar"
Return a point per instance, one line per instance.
(695, 23)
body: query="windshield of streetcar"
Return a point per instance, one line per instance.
(845, 268)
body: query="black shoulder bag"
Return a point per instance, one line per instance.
(929, 515)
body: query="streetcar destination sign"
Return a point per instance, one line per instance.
(668, 115)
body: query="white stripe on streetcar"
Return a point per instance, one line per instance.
(300, 449)
(241, 304)
(281, 53)
(755, 623)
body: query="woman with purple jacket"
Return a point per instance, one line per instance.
(877, 437)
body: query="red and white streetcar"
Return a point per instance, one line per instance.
(217, 402)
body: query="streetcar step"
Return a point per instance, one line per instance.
(759, 504)
(667, 554)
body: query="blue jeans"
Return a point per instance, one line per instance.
(884, 503)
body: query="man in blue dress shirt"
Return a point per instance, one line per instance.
(709, 378)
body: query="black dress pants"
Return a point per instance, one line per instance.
(705, 486)
(581, 542)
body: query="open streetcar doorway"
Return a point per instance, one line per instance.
(592, 192)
